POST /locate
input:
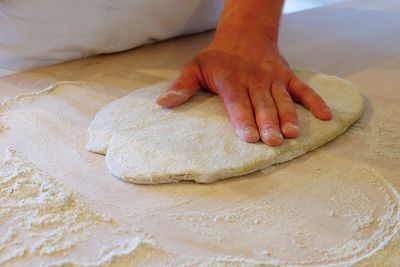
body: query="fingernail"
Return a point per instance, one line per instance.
(271, 133)
(290, 128)
(180, 94)
(252, 131)
(327, 111)
(326, 114)
(243, 133)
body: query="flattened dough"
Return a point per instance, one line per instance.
(147, 144)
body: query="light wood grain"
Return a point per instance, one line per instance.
(357, 40)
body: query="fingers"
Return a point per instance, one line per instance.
(266, 115)
(305, 95)
(186, 85)
(239, 108)
(286, 110)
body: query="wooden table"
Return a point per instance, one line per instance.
(358, 40)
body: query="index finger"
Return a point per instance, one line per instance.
(238, 105)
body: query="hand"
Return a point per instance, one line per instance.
(256, 85)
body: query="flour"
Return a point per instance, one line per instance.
(280, 226)
(355, 206)
(45, 221)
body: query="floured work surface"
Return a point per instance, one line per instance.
(56, 197)
(333, 205)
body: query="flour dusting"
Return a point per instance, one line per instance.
(361, 208)
(45, 223)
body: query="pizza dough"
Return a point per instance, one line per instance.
(147, 144)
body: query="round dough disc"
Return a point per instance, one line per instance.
(147, 144)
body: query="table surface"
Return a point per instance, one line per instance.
(356, 40)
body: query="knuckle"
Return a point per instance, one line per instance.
(296, 81)
(263, 105)
(287, 115)
(237, 105)
(228, 84)
(233, 99)
(290, 117)
(314, 98)
(259, 78)
(268, 119)
(302, 90)
(284, 101)
(298, 85)
(245, 121)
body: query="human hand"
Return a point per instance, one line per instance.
(256, 85)
(244, 67)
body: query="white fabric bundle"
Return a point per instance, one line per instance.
(42, 32)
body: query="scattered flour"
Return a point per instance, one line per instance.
(354, 205)
(280, 226)
(45, 223)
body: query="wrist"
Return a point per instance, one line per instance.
(238, 33)
(255, 19)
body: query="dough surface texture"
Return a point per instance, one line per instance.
(147, 144)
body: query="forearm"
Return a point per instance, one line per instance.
(254, 17)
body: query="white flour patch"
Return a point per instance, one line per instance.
(45, 223)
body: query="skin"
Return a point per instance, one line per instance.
(243, 65)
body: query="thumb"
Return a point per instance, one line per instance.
(186, 85)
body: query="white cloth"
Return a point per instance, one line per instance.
(42, 32)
